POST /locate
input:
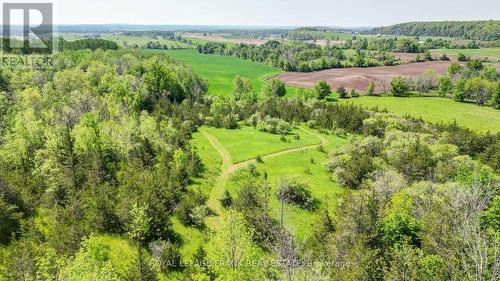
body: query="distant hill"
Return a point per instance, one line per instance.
(477, 30)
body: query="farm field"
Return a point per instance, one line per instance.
(359, 78)
(220, 71)
(224, 38)
(129, 40)
(485, 52)
(437, 110)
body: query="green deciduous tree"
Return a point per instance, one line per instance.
(400, 87)
(322, 89)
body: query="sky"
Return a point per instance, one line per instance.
(348, 13)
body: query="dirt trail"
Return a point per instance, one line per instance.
(228, 168)
(218, 189)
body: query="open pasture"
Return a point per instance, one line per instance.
(480, 118)
(220, 71)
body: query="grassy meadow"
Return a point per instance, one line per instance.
(221, 70)
(248, 142)
(486, 52)
(437, 110)
(309, 166)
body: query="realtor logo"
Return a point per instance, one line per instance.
(28, 37)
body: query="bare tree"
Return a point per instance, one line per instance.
(287, 253)
(477, 252)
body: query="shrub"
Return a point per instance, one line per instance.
(343, 94)
(400, 87)
(274, 126)
(297, 192)
(226, 199)
(354, 93)
(275, 88)
(192, 209)
(462, 57)
(259, 159)
(371, 89)
(322, 90)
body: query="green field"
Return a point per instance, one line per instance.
(221, 70)
(437, 110)
(309, 166)
(486, 52)
(247, 142)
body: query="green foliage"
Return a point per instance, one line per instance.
(166, 255)
(445, 86)
(479, 30)
(297, 192)
(400, 87)
(342, 92)
(89, 43)
(432, 268)
(140, 224)
(454, 68)
(274, 88)
(232, 246)
(192, 209)
(371, 89)
(90, 263)
(322, 89)
(10, 213)
(273, 126)
(355, 162)
(243, 89)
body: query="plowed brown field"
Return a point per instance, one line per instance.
(359, 78)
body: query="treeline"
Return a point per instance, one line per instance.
(89, 43)
(477, 30)
(474, 83)
(155, 35)
(298, 56)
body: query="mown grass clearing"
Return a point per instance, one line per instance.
(309, 166)
(247, 142)
(437, 110)
(220, 71)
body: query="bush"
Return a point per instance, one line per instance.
(462, 57)
(354, 93)
(192, 209)
(343, 94)
(322, 90)
(274, 126)
(400, 87)
(297, 192)
(226, 200)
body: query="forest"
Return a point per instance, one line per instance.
(101, 145)
(299, 56)
(476, 30)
